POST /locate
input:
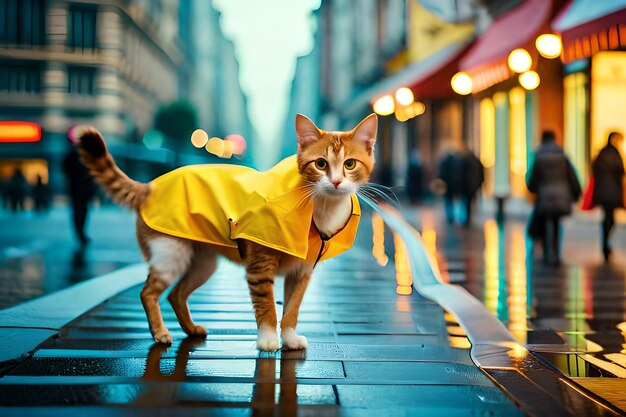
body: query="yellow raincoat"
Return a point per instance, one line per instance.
(220, 203)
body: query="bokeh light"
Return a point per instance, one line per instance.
(384, 106)
(405, 113)
(239, 144)
(229, 147)
(549, 45)
(529, 80)
(404, 96)
(461, 83)
(199, 138)
(520, 60)
(215, 146)
(153, 139)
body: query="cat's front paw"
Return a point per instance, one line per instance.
(267, 340)
(163, 336)
(292, 341)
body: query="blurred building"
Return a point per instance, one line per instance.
(305, 95)
(216, 92)
(110, 64)
(594, 76)
(63, 63)
(372, 48)
(401, 59)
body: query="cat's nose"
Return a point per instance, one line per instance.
(336, 183)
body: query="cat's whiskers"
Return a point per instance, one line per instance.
(378, 192)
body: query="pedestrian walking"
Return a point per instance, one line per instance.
(556, 186)
(608, 190)
(17, 190)
(472, 179)
(41, 195)
(451, 173)
(81, 189)
(415, 178)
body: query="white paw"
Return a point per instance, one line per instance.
(291, 340)
(163, 336)
(267, 340)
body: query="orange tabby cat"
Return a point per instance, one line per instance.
(329, 169)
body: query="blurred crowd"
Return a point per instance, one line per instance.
(16, 191)
(552, 182)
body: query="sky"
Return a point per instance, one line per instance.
(268, 35)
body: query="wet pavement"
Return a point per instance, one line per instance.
(371, 352)
(375, 346)
(573, 315)
(39, 255)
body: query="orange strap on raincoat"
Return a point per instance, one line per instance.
(220, 203)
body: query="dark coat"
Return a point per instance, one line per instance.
(451, 172)
(462, 172)
(608, 170)
(80, 183)
(554, 181)
(473, 174)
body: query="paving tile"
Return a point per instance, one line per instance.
(374, 329)
(15, 341)
(23, 395)
(453, 400)
(424, 373)
(405, 353)
(257, 395)
(215, 393)
(384, 339)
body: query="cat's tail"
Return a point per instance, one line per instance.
(102, 167)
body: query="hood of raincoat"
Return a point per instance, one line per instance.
(220, 203)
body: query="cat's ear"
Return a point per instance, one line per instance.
(306, 131)
(366, 132)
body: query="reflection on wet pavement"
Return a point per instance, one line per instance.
(38, 254)
(573, 314)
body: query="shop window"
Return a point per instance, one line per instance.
(517, 135)
(608, 89)
(22, 22)
(17, 78)
(576, 106)
(501, 186)
(81, 30)
(487, 141)
(81, 80)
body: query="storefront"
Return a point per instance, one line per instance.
(594, 58)
(21, 155)
(516, 84)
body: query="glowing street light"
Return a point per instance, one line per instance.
(549, 45)
(384, 106)
(404, 96)
(529, 80)
(461, 83)
(520, 60)
(199, 138)
(215, 146)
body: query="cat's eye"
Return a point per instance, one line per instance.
(349, 164)
(321, 163)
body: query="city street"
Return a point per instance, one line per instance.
(366, 341)
(482, 272)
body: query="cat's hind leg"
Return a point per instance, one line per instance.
(202, 266)
(169, 258)
(296, 282)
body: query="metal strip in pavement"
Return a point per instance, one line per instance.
(33, 322)
(494, 349)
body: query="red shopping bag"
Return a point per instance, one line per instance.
(587, 203)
